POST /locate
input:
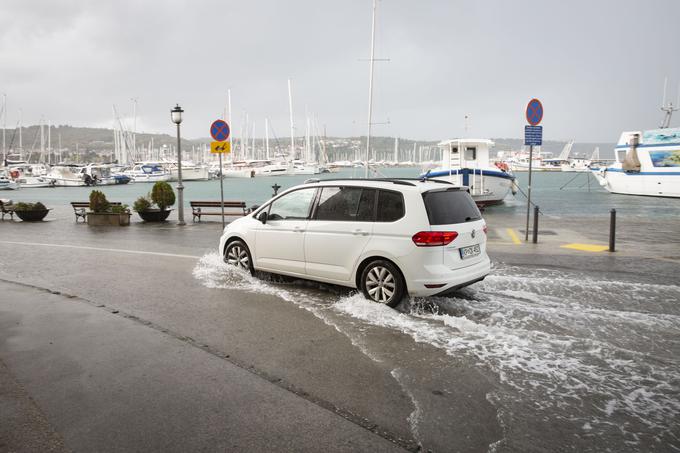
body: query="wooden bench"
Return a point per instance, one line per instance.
(7, 207)
(231, 208)
(80, 208)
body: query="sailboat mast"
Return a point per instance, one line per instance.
(4, 126)
(21, 126)
(266, 138)
(292, 126)
(370, 89)
(231, 143)
(134, 126)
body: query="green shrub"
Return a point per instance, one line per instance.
(98, 202)
(122, 209)
(142, 204)
(21, 206)
(163, 195)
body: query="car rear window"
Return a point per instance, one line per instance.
(445, 207)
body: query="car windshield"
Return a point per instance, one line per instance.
(449, 206)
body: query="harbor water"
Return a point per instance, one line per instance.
(558, 194)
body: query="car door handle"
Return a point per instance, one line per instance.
(298, 230)
(360, 233)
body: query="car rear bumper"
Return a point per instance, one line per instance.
(450, 279)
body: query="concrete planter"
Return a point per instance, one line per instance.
(35, 215)
(108, 219)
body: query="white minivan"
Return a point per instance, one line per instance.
(386, 237)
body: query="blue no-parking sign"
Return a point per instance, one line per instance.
(534, 112)
(219, 130)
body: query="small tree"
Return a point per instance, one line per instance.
(98, 201)
(142, 204)
(163, 195)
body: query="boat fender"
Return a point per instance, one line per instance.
(603, 177)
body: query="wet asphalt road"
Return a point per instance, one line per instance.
(400, 379)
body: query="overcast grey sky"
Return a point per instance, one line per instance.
(597, 66)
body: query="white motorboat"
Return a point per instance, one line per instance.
(190, 171)
(67, 175)
(103, 175)
(30, 175)
(647, 163)
(306, 168)
(540, 161)
(6, 183)
(465, 162)
(148, 172)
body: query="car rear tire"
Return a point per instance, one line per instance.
(237, 254)
(382, 282)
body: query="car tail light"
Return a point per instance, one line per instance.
(486, 229)
(433, 238)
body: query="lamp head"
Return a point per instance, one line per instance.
(176, 114)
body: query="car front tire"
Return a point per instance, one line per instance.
(382, 282)
(237, 254)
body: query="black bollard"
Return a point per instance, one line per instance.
(612, 230)
(276, 188)
(535, 232)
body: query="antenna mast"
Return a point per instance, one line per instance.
(668, 109)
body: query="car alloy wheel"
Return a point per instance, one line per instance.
(381, 282)
(237, 254)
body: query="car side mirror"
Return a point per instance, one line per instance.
(262, 217)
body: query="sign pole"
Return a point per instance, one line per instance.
(533, 135)
(220, 132)
(531, 155)
(222, 190)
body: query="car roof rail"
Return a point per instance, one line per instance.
(401, 181)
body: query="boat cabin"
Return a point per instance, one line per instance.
(465, 153)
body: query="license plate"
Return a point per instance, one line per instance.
(469, 252)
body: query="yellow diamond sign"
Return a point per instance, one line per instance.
(220, 147)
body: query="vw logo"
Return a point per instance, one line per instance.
(473, 233)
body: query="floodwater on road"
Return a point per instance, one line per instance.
(580, 362)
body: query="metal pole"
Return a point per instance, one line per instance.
(612, 230)
(531, 156)
(370, 90)
(535, 232)
(222, 190)
(180, 187)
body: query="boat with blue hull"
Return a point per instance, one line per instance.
(647, 163)
(466, 162)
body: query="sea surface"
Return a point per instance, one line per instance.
(558, 194)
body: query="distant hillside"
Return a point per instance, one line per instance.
(93, 142)
(83, 138)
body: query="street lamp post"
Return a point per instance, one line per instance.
(176, 115)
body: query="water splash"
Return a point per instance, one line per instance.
(598, 358)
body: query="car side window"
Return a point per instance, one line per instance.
(350, 204)
(292, 206)
(390, 206)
